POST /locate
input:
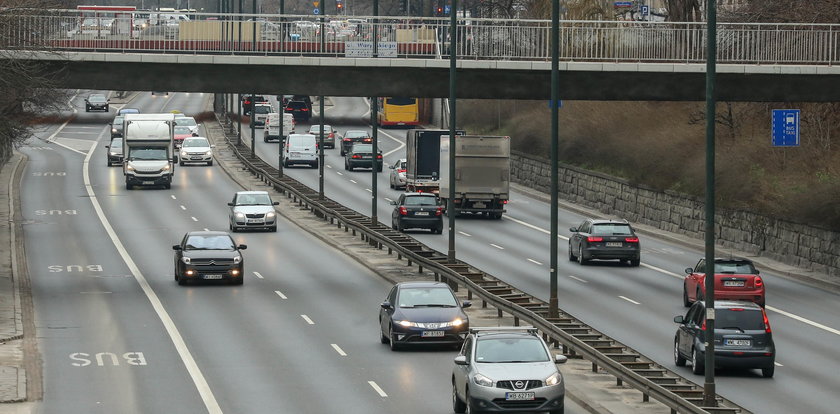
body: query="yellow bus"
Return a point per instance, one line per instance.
(394, 111)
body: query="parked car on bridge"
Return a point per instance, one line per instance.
(507, 370)
(743, 338)
(96, 102)
(417, 211)
(604, 240)
(209, 255)
(422, 313)
(735, 279)
(252, 210)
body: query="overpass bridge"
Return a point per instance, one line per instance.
(497, 59)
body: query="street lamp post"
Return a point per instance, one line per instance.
(711, 62)
(374, 110)
(450, 207)
(555, 127)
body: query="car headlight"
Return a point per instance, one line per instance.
(407, 323)
(185, 259)
(166, 167)
(113, 130)
(456, 322)
(129, 168)
(270, 214)
(482, 380)
(237, 260)
(239, 215)
(208, 153)
(184, 154)
(554, 379)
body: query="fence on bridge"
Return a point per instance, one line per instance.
(414, 37)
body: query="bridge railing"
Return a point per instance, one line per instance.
(414, 37)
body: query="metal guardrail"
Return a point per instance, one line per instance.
(419, 37)
(576, 338)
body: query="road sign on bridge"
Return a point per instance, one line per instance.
(785, 127)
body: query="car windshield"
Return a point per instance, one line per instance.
(426, 297)
(185, 121)
(506, 350)
(118, 122)
(356, 134)
(420, 201)
(316, 129)
(612, 229)
(208, 242)
(180, 129)
(97, 98)
(296, 104)
(196, 142)
(253, 200)
(116, 143)
(147, 154)
(740, 319)
(362, 148)
(262, 109)
(743, 268)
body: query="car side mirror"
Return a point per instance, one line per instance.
(242, 247)
(560, 359)
(230, 204)
(385, 305)
(679, 319)
(393, 202)
(176, 247)
(573, 229)
(392, 166)
(276, 203)
(758, 272)
(461, 360)
(107, 146)
(212, 145)
(466, 304)
(688, 270)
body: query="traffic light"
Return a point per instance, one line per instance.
(339, 6)
(439, 11)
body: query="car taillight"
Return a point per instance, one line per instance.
(758, 282)
(402, 170)
(403, 211)
(766, 322)
(356, 156)
(366, 140)
(594, 239)
(504, 201)
(332, 135)
(379, 156)
(631, 239)
(703, 325)
(304, 109)
(346, 140)
(439, 211)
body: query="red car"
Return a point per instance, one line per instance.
(735, 279)
(181, 132)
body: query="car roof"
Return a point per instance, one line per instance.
(731, 259)
(724, 304)
(421, 284)
(252, 192)
(208, 233)
(608, 221)
(420, 194)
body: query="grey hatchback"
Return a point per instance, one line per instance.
(252, 210)
(507, 370)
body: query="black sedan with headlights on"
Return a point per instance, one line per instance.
(208, 255)
(422, 313)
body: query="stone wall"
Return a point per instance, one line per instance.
(791, 243)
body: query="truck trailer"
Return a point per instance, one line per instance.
(422, 155)
(482, 174)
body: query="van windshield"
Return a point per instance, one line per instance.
(146, 154)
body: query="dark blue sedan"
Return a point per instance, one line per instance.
(420, 313)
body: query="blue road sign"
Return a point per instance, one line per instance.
(645, 10)
(623, 4)
(316, 11)
(446, 9)
(559, 103)
(785, 128)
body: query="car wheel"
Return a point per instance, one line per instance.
(458, 405)
(210, 163)
(346, 166)
(696, 363)
(167, 186)
(273, 229)
(438, 230)
(238, 281)
(768, 372)
(234, 228)
(379, 169)
(391, 184)
(699, 296)
(581, 259)
(470, 409)
(686, 302)
(678, 359)
(182, 281)
(342, 153)
(635, 262)
(572, 257)
(560, 410)
(181, 163)
(382, 337)
(315, 164)
(128, 185)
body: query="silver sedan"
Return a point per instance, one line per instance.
(397, 176)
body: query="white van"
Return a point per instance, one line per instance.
(271, 132)
(260, 113)
(300, 149)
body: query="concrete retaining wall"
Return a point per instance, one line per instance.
(790, 243)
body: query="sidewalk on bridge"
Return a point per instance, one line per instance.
(597, 391)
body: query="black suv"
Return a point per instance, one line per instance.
(96, 102)
(743, 338)
(208, 255)
(249, 100)
(604, 239)
(300, 109)
(361, 155)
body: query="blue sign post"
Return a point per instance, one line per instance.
(623, 4)
(645, 10)
(785, 128)
(446, 9)
(316, 11)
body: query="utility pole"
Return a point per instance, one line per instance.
(709, 336)
(374, 110)
(453, 59)
(555, 138)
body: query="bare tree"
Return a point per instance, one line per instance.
(30, 89)
(684, 11)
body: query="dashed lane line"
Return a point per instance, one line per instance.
(378, 389)
(307, 319)
(194, 219)
(258, 275)
(353, 181)
(629, 300)
(183, 208)
(497, 246)
(578, 279)
(531, 226)
(279, 293)
(534, 262)
(464, 234)
(338, 349)
(173, 196)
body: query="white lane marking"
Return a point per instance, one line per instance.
(388, 199)
(353, 181)
(66, 147)
(194, 219)
(578, 279)
(531, 226)
(183, 208)
(662, 271)
(497, 246)
(369, 190)
(377, 389)
(306, 318)
(206, 229)
(97, 292)
(534, 261)
(258, 275)
(177, 340)
(465, 234)
(69, 103)
(338, 349)
(803, 320)
(339, 173)
(173, 196)
(778, 364)
(629, 300)
(329, 166)
(279, 293)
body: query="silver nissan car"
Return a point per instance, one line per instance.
(507, 370)
(252, 210)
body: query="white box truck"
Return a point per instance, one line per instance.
(422, 155)
(482, 174)
(148, 152)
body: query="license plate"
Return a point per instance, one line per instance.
(427, 334)
(614, 244)
(421, 213)
(479, 205)
(736, 283)
(294, 154)
(519, 396)
(738, 342)
(255, 220)
(212, 276)
(148, 183)
(197, 158)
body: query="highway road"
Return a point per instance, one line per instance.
(117, 334)
(633, 305)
